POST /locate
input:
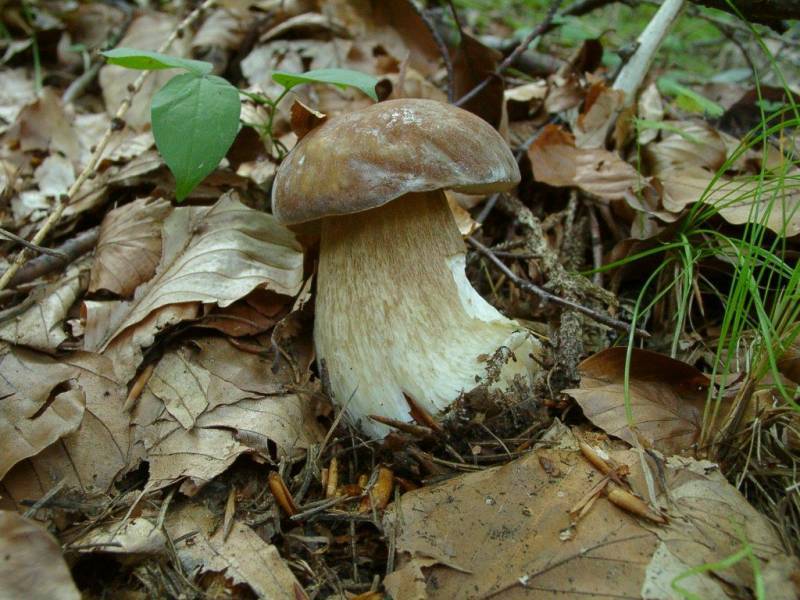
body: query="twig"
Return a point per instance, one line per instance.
(548, 297)
(15, 238)
(69, 251)
(63, 201)
(44, 500)
(511, 58)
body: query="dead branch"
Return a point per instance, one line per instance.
(548, 297)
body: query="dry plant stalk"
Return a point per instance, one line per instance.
(282, 495)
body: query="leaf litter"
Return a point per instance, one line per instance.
(162, 408)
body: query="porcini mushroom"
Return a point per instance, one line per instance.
(395, 313)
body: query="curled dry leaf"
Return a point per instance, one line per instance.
(34, 412)
(17, 90)
(242, 556)
(138, 536)
(41, 325)
(45, 126)
(602, 104)
(649, 108)
(129, 247)
(667, 398)
(558, 162)
(32, 566)
(210, 255)
(522, 544)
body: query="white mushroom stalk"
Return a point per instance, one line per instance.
(396, 315)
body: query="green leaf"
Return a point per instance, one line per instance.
(144, 60)
(195, 120)
(688, 99)
(339, 77)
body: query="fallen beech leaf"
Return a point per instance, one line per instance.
(472, 64)
(686, 144)
(41, 326)
(242, 556)
(558, 162)
(649, 108)
(54, 176)
(667, 398)
(32, 566)
(17, 90)
(129, 247)
(45, 126)
(740, 200)
(138, 536)
(222, 29)
(33, 413)
(210, 255)
(601, 105)
(515, 546)
(193, 422)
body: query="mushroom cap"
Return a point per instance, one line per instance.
(364, 159)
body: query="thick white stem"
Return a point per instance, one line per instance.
(396, 315)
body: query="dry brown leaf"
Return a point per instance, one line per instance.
(41, 325)
(129, 247)
(17, 90)
(210, 255)
(242, 556)
(666, 396)
(54, 176)
(775, 202)
(687, 144)
(600, 106)
(45, 126)
(521, 543)
(146, 32)
(90, 458)
(138, 536)
(558, 162)
(35, 411)
(32, 566)
(650, 108)
(395, 26)
(472, 64)
(224, 28)
(193, 422)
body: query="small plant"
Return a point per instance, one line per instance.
(195, 115)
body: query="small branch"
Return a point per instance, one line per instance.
(62, 202)
(66, 253)
(511, 58)
(548, 297)
(41, 250)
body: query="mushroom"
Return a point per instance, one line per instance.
(395, 313)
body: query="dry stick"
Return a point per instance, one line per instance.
(511, 58)
(548, 297)
(15, 238)
(66, 253)
(63, 201)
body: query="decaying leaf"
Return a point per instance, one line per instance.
(773, 201)
(41, 325)
(666, 397)
(32, 566)
(193, 421)
(139, 536)
(687, 143)
(34, 412)
(210, 255)
(558, 162)
(521, 542)
(90, 457)
(45, 126)
(129, 247)
(241, 556)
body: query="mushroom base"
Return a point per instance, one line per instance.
(396, 315)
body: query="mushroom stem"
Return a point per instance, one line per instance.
(396, 314)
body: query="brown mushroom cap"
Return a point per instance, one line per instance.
(364, 159)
